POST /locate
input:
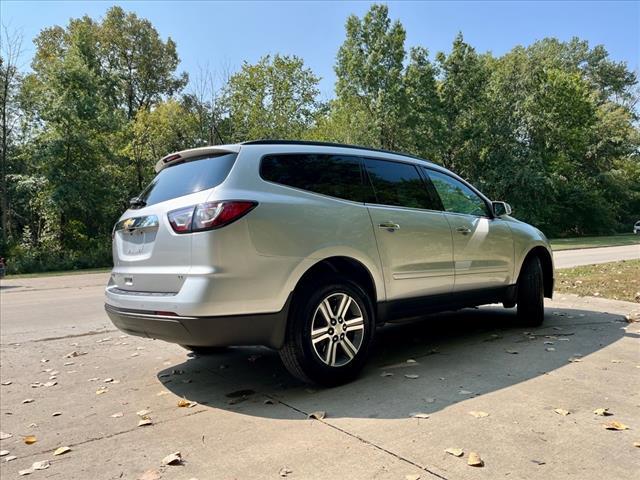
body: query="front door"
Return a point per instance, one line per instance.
(483, 247)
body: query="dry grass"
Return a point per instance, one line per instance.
(616, 280)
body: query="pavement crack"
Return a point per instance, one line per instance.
(112, 435)
(63, 337)
(363, 440)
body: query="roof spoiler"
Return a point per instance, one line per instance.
(183, 155)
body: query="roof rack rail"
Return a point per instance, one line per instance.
(326, 144)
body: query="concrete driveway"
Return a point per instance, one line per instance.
(249, 417)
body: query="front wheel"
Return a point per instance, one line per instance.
(530, 295)
(329, 332)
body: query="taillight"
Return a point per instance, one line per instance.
(209, 216)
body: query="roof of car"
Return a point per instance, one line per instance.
(182, 155)
(329, 144)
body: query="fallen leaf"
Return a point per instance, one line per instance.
(456, 452)
(411, 360)
(62, 450)
(615, 425)
(102, 390)
(539, 462)
(74, 354)
(561, 411)
(474, 460)
(575, 360)
(478, 414)
(7, 382)
(602, 412)
(419, 415)
(635, 444)
(144, 421)
(411, 376)
(386, 374)
(56, 414)
(550, 349)
(4, 436)
(50, 384)
(108, 380)
(268, 401)
(30, 439)
(10, 458)
(4, 453)
(28, 400)
(284, 471)
(150, 475)
(172, 459)
(186, 403)
(512, 352)
(142, 413)
(27, 471)
(464, 392)
(319, 415)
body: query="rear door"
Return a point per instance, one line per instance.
(414, 238)
(482, 244)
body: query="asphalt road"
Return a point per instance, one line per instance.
(249, 417)
(589, 256)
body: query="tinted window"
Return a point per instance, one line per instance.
(188, 177)
(456, 196)
(398, 184)
(333, 175)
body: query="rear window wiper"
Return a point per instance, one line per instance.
(137, 202)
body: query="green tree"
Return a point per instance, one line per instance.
(275, 98)
(369, 69)
(141, 66)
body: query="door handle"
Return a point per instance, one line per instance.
(463, 230)
(390, 226)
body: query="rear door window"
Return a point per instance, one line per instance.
(189, 177)
(337, 176)
(399, 184)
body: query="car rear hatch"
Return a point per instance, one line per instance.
(149, 256)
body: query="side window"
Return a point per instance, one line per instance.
(332, 175)
(398, 184)
(456, 196)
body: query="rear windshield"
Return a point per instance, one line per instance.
(188, 177)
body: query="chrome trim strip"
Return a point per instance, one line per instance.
(136, 223)
(119, 291)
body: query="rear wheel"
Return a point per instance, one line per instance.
(329, 332)
(530, 295)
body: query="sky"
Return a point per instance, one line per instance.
(221, 35)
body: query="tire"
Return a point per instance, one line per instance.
(330, 360)
(530, 296)
(202, 351)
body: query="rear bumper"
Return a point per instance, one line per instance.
(266, 329)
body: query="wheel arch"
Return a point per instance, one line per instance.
(546, 260)
(346, 266)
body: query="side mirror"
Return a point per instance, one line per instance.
(501, 208)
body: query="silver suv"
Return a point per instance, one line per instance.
(308, 247)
